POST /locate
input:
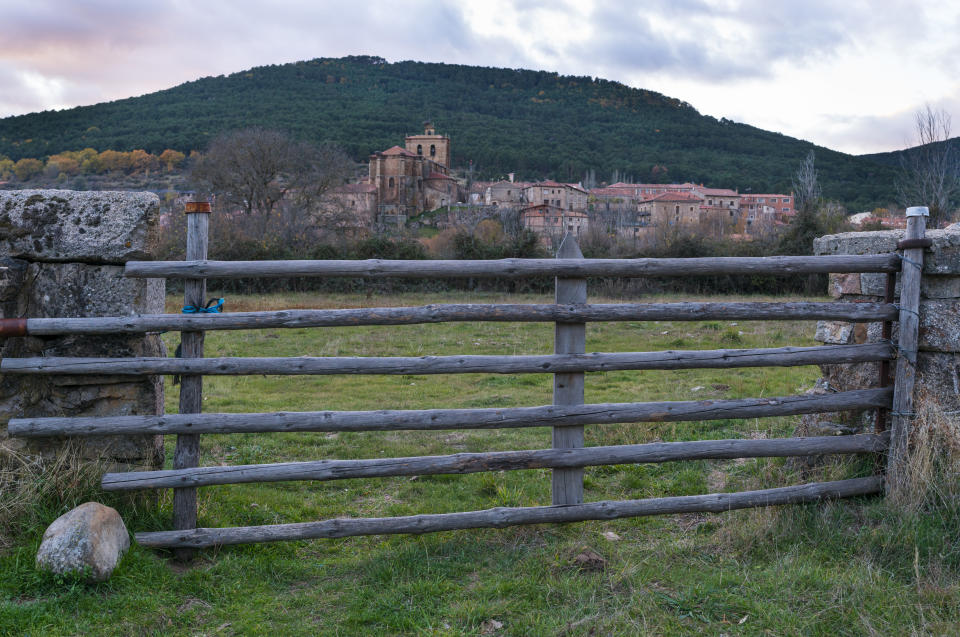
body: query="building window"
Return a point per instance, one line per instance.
(677, 210)
(433, 150)
(419, 149)
(391, 183)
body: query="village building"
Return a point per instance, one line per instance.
(778, 206)
(565, 196)
(673, 208)
(353, 205)
(719, 197)
(551, 222)
(506, 193)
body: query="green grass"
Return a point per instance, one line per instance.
(845, 568)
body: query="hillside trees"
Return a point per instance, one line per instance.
(536, 124)
(930, 171)
(254, 169)
(71, 163)
(27, 167)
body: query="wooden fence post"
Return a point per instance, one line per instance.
(187, 453)
(569, 338)
(902, 412)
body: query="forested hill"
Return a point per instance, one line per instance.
(895, 158)
(537, 124)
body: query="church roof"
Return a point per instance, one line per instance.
(396, 150)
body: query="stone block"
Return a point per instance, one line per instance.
(875, 284)
(88, 227)
(934, 286)
(939, 378)
(841, 284)
(68, 290)
(88, 539)
(39, 290)
(841, 332)
(942, 258)
(940, 325)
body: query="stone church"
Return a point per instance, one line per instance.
(410, 180)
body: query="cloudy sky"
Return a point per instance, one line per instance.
(847, 74)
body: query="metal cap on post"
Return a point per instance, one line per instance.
(196, 206)
(918, 211)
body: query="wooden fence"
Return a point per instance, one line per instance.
(567, 415)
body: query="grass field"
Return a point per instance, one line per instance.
(846, 568)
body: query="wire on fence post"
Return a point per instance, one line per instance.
(187, 454)
(569, 338)
(901, 414)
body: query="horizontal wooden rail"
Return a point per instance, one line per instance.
(434, 419)
(512, 268)
(505, 364)
(502, 517)
(854, 312)
(496, 461)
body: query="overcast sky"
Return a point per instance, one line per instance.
(847, 74)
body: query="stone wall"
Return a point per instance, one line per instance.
(938, 360)
(63, 252)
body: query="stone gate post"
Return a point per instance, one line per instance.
(62, 252)
(938, 361)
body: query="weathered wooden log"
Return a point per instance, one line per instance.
(187, 452)
(434, 419)
(461, 463)
(566, 485)
(501, 517)
(799, 311)
(513, 268)
(470, 364)
(902, 411)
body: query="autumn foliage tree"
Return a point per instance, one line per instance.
(27, 168)
(171, 159)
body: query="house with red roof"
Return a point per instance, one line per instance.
(760, 208)
(673, 208)
(552, 222)
(556, 194)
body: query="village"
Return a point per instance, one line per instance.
(405, 183)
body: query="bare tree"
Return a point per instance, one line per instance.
(254, 169)
(930, 171)
(806, 185)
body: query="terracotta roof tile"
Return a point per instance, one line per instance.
(396, 150)
(675, 196)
